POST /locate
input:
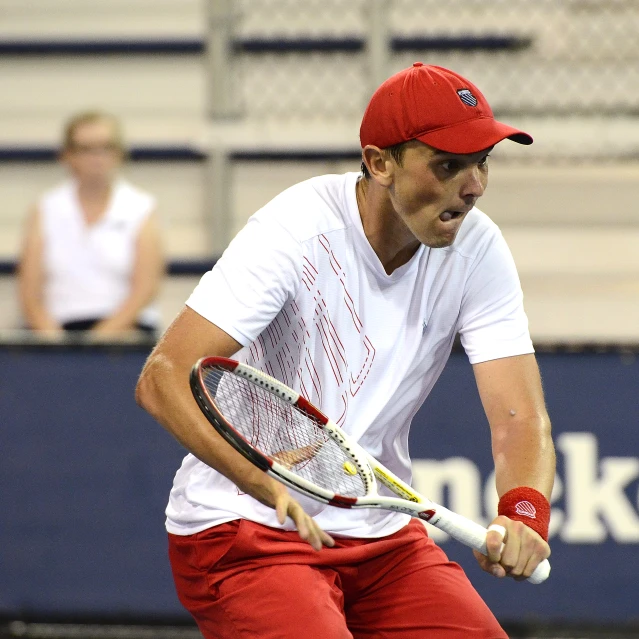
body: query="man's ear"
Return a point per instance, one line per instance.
(379, 164)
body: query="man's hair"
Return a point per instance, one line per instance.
(396, 152)
(90, 117)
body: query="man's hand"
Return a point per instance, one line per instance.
(286, 506)
(274, 494)
(523, 550)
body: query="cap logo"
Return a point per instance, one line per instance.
(467, 97)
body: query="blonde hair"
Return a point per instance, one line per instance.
(90, 117)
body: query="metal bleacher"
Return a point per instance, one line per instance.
(298, 80)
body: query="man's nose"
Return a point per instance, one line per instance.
(474, 183)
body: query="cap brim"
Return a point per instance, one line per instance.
(473, 136)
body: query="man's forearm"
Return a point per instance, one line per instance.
(524, 454)
(164, 393)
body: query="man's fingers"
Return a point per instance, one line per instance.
(306, 526)
(494, 562)
(495, 539)
(281, 511)
(327, 540)
(533, 550)
(512, 549)
(495, 569)
(309, 531)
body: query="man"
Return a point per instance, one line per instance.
(352, 288)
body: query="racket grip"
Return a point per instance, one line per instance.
(541, 573)
(473, 535)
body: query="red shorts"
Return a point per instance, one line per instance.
(242, 580)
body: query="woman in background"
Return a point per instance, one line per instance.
(92, 257)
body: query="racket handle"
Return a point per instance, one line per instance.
(541, 573)
(473, 535)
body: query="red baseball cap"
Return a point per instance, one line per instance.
(435, 106)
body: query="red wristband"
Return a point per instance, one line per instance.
(528, 506)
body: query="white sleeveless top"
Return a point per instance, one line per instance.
(88, 268)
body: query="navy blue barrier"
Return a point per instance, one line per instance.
(84, 477)
(85, 474)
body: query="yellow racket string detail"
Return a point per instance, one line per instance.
(396, 487)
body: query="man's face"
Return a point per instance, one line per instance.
(432, 191)
(94, 154)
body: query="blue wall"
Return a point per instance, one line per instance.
(84, 478)
(85, 474)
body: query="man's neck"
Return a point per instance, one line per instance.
(387, 234)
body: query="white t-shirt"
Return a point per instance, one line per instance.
(302, 289)
(88, 268)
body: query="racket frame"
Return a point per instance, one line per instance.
(263, 462)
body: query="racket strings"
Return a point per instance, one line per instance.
(283, 432)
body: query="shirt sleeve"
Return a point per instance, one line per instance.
(493, 323)
(255, 277)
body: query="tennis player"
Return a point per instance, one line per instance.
(351, 289)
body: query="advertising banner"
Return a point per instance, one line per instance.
(85, 476)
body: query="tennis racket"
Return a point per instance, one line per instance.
(284, 435)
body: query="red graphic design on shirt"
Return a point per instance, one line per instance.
(346, 348)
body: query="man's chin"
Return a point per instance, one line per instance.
(440, 242)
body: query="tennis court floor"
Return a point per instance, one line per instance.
(41, 629)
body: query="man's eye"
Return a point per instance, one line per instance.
(451, 166)
(484, 160)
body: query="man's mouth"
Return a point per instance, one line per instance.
(447, 216)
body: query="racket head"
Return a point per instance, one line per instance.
(280, 431)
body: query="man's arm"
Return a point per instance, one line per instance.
(512, 396)
(163, 391)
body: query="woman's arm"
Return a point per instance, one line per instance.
(147, 275)
(31, 278)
